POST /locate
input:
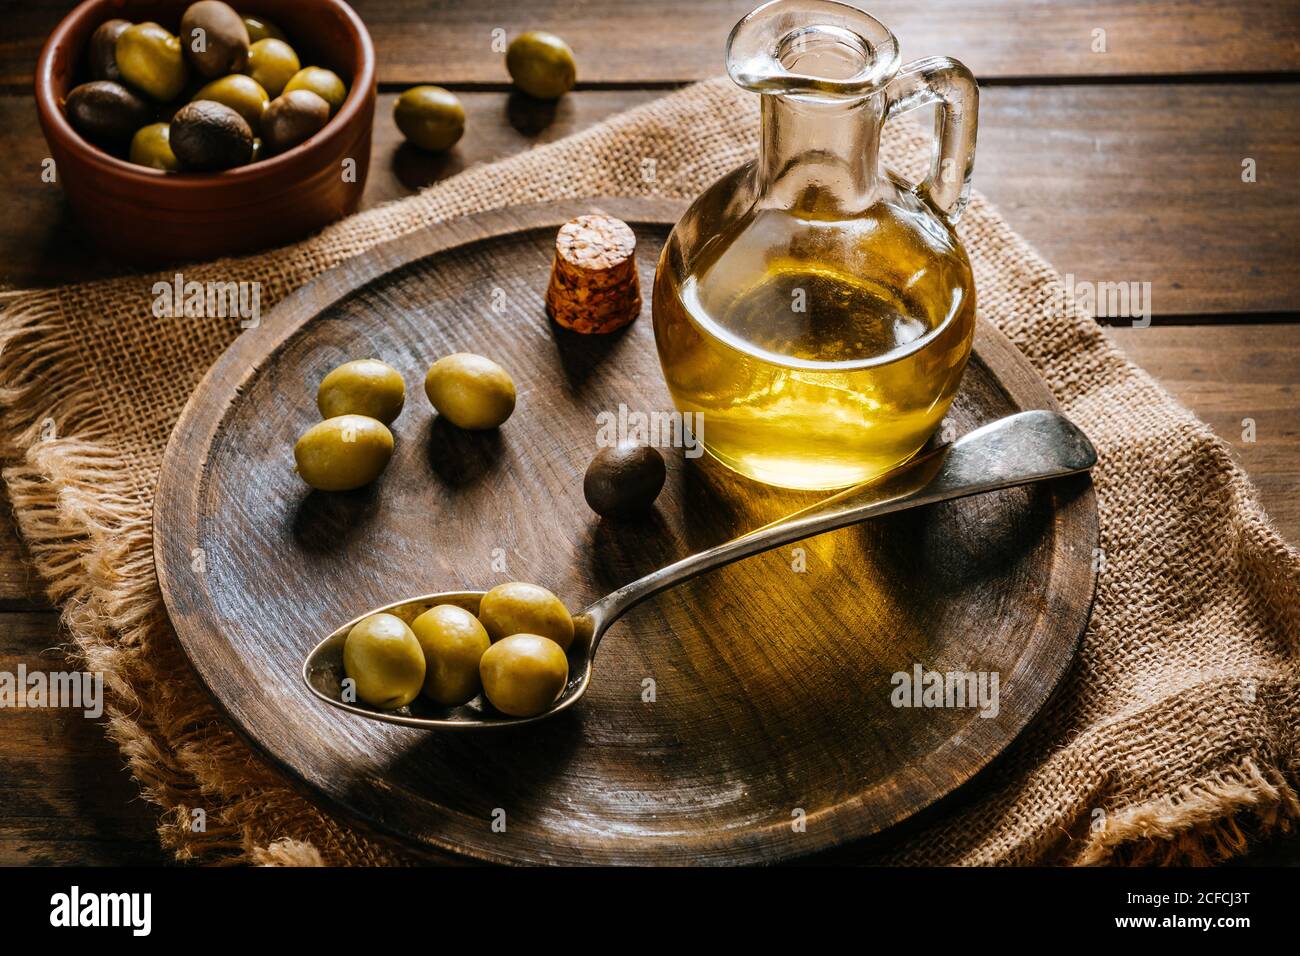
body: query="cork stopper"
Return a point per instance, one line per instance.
(594, 285)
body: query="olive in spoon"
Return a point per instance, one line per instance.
(1016, 450)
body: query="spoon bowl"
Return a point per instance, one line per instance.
(323, 672)
(1016, 450)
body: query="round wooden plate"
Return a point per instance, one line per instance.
(743, 717)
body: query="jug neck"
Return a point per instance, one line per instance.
(821, 68)
(819, 157)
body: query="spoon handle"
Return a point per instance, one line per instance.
(1016, 450)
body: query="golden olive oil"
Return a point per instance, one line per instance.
(820, 353)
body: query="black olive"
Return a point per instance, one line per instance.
(208, 136)
(106, 112)
(103, 60)
(214, 38)
(292, 118)
(624, 480)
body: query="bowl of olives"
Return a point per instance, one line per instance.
(184, 130)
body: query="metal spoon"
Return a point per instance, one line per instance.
(1016, 450)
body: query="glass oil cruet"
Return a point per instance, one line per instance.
(817, 310)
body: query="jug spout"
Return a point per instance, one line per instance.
(815, 48)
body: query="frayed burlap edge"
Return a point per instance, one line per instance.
(80, 516)
(1206, 823)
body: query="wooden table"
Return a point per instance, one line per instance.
(1113, 135)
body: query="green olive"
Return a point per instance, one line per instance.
(151, 146)
(259, 29)
(453, 642)
(343, 452)
(241, 93)
(520, 608)
(324, 83)
(150, 59)
(541, 64)
(272, 63)
(384, 660)
(215, 38)
(470, 391)
(523, 674)
(430, 117)
(364, 387)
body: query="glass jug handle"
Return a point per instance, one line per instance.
(946, 82)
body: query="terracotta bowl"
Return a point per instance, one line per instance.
(150, 217)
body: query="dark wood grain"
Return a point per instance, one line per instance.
(1144, 184)
(635, 42)
(1228, 375)
(630, 41)
(19, 588)
(66, 798)
(1120, 183)
(773, 685)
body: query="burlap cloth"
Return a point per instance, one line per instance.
(1174, 737)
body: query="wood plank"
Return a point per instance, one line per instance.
(19, 587)
(1116, 183)
(1227, 374)
(631, 41)
(634, 42)
(67, 798)
(1144, 184)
